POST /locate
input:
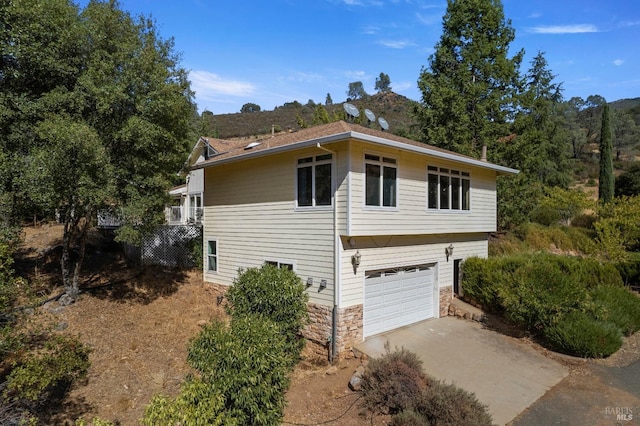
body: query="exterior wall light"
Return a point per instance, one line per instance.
(355, 261)
(448, 251)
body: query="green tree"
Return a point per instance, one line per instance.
(540, 147)
(250, 107)
(628, 183)
(469, 86)
(625, 132)
(576, 133)
(383, 83)
(92, 88)
(320, 115)
(328, 100)
(606, 183)
(356, 90)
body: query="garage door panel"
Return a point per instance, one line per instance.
(395, 298)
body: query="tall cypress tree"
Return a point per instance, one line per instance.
(606, 184)
(469, 87)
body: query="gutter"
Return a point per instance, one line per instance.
(336, 254)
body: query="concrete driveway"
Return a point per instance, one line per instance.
(506, 375)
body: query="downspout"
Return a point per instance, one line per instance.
(336, 254)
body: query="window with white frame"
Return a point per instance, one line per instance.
(314, 181)
(212, 256)
(448, 189)
(381, 182)
(195, 208)
(278, 264)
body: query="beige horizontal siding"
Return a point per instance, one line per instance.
(379, 252)
(250, 210)
(411, 215)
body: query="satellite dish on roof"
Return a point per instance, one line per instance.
(351, 110)
(370, 115)
(383, 124)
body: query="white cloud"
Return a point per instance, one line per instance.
(535, 15)
(356, 74)
(402, 86)
(618, 62)
(370, 30)
(565, 29)
(396, 44)
(209, 86)
(428, 19)
(627, 24)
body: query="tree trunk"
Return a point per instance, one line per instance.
(75, 231)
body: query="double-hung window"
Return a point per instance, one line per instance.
(314, 181)
(381, 183)
(448, 189)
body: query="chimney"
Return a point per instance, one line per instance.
(484, 153)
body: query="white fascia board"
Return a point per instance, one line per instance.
(366, 138)
(434, 153)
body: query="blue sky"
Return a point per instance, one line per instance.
(274, 51)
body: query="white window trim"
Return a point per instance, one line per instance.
(396, 165)
(313, 165)
(280, 262)
(438, 173)
(217, 256)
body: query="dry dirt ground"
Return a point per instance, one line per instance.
(138, 323)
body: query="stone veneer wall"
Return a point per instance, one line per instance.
(446, 294)
(349, 328)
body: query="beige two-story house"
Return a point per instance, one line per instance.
(375, 225)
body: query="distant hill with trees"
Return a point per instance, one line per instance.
(395, 108)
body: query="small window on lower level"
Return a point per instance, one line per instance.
(278, 264)
(212, 256)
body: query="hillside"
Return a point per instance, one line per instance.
(625, 103)
(396, 109)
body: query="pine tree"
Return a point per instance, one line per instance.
(606, 184)
(540, 147)
(469, 87)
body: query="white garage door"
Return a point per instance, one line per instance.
(397, 297)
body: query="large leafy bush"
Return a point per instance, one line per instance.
(578, 333)
(275, 293)
(578, 304)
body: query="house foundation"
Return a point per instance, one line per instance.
(319, 331)
(446, 295)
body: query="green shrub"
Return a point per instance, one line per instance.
(445, 404)
(61, 361)
(617, 305)
(197, 404)
(480, 281)
(393, 382)
(629, 270)
(539, 291)
(578, 333)
(409, 418)
(275, 293)
(248, 363)
(584, 220)
(545, 216)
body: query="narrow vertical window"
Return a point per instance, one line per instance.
(466, 197)
(212, 256)
(444, 191)
(432, 188)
